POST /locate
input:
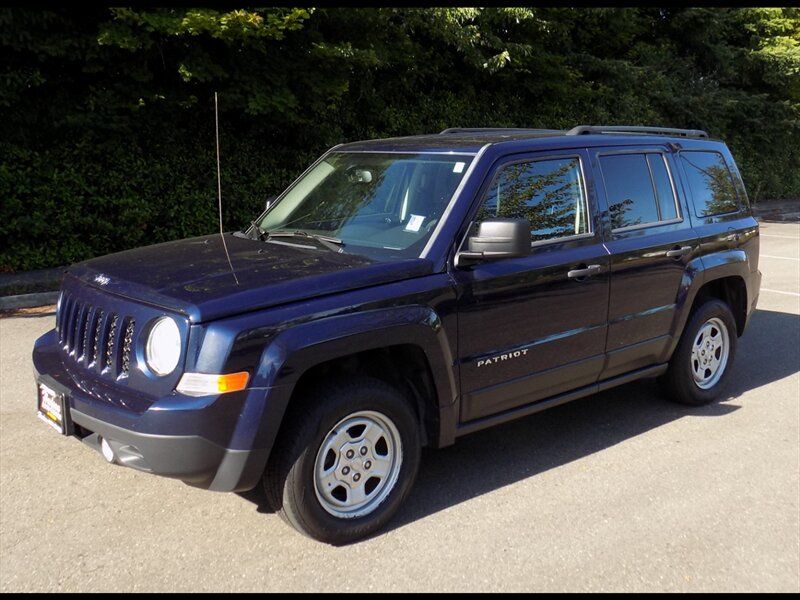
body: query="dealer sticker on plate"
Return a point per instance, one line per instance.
(51, 408)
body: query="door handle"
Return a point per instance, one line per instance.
(584, 272)
(678, 252)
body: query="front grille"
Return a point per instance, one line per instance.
(95, 338)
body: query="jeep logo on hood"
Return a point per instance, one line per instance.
(101, 279)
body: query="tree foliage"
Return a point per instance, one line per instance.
(107, 114)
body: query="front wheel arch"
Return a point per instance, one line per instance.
(404, 366)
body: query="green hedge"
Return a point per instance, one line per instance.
(107, 114)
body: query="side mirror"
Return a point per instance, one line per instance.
(497, 238)
(269, 202)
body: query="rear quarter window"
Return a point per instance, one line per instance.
(712, 187)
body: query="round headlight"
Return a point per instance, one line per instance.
(163, 349)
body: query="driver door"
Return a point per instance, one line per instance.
(534, 327)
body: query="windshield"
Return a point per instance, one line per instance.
(379, 205)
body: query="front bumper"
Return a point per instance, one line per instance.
(176, 436)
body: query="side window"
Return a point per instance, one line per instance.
(712, 186)
(638, 189)
(549, 193)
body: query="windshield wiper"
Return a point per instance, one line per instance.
(259, 233)
(331, 243)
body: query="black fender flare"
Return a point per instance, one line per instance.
(700, 271)
(294, 350)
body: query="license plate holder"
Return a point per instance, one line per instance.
(52, 408)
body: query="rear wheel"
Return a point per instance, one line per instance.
(700, 366)
(345, 461)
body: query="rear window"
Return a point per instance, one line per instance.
(638, 189)
(711, 184)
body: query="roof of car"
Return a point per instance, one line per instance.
(470, 141)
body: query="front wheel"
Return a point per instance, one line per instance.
(700, 366)
(346, 460)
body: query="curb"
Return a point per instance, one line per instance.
(779, 218)
(31, 282)
(778, 211)
(28, 300)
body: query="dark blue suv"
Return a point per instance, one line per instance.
(399, 294)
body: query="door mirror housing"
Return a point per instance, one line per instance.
(495, 239)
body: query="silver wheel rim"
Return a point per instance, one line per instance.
(710, 353)
(357, 464)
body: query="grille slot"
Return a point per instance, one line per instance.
(127, 341)
(87, 353)
(111, 341)
(73, 329)
(80, 332)
(62, 315)
(98, 328)
(68, 325)
(59, 314)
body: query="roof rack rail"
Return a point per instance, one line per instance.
(588, 129)
(496, 130)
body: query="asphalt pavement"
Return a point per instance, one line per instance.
(622, 491)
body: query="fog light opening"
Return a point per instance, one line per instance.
(108, 452)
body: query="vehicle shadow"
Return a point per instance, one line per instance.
(494, 458)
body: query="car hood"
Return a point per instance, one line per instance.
(192, 276)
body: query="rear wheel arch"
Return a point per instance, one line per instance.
(732, 290)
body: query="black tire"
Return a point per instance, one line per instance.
(678, 380)
(289, 477)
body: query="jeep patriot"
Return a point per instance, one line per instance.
(402, 293)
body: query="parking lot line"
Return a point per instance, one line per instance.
(763, 289)
(781, 257)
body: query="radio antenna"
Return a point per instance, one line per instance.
(219, 193)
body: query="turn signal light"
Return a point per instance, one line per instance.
(202, 384)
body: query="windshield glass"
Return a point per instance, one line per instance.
(379, 205)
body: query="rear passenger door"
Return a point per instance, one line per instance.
(650, 239)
